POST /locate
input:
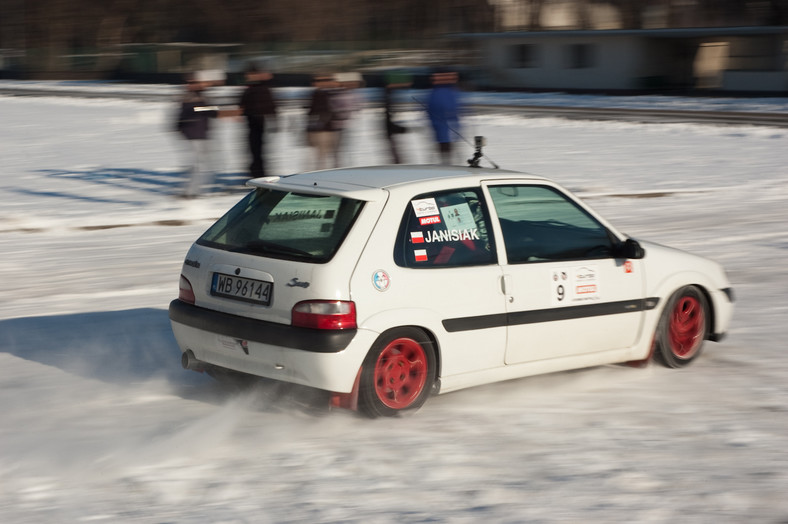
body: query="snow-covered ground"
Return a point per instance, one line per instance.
(100, 424)
(162, 92)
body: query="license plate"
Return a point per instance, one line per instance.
(239, 288)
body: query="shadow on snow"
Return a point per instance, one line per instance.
(165, 182)
(134, 346)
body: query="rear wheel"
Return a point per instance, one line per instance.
(397, 374)
(683, 328)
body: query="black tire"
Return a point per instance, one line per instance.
(398, 373)
(683, 327)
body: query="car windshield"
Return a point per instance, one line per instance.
(283, 224)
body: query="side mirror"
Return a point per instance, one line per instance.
(630, 249)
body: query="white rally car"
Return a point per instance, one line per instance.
(383, 285)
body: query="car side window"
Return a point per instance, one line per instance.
(539, 223)
(445, 229)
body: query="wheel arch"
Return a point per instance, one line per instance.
(399, 372)
(668, 287)
(685, 322)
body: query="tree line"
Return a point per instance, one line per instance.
(81, 24)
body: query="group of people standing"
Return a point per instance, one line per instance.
(256, 105)
(333, 101)
(442, 107)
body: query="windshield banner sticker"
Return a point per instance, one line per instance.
(304, 214)
(572, 285)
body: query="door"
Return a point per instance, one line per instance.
(447, 268)
(566, 293)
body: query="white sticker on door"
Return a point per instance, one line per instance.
(574, 285)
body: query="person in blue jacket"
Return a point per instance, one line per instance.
(443, 106)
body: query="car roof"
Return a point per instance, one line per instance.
(373, 182)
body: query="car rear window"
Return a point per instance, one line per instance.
(285, 225)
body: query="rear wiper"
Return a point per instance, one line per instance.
(260, 246)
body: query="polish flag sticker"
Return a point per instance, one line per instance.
(421, 255)
(417, 237)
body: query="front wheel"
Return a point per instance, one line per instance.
(683, 328)
(397, 374)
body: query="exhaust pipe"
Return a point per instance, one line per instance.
(189, 361)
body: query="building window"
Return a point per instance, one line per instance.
(580, 56)
(522, 56)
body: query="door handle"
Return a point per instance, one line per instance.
(506, 284)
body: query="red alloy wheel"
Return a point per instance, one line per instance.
(401, 373)
(687, 327)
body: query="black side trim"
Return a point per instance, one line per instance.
(453, 325)
(548, 315)
(729, 293)
(314, 340)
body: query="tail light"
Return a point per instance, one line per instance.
(185, 291)
(325, 314)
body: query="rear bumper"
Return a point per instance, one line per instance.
(327, 360)
(253, 330)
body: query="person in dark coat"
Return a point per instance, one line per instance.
(193, 124)
(443, 107)
(258, 106)
(321, 128)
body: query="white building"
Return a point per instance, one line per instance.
(746, 59)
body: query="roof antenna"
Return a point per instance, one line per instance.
(479, 143)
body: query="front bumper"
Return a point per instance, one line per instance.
(723, 313)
